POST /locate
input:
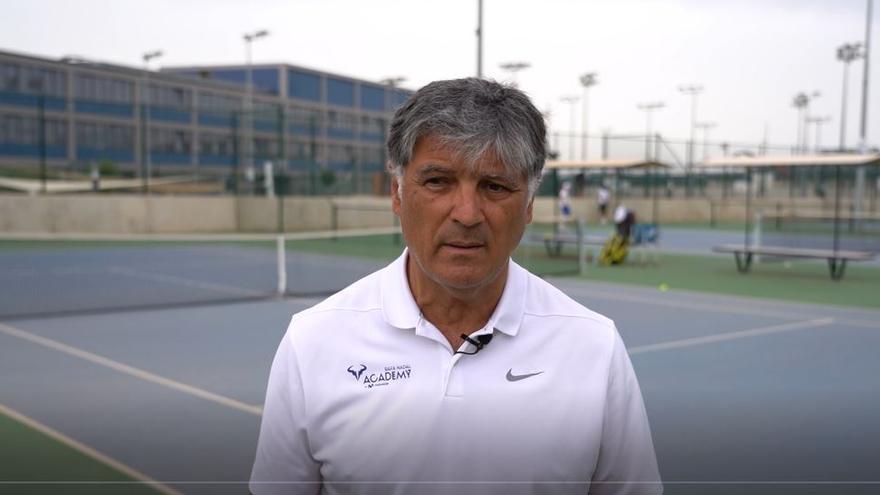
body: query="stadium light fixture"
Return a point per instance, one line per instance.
(513, 68)
(390, 83)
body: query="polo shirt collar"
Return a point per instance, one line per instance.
(400, 310)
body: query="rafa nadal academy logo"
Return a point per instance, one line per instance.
(356, 373)
(388, 375)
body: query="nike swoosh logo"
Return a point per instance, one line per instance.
(515, 378)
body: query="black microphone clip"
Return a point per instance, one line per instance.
(480, 342)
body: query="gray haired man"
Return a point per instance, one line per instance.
(455, 370)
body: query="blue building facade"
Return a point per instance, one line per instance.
(71, 113)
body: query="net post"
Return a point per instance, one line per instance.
(282, 265)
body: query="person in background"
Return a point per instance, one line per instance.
(564, 204)
(602, 199)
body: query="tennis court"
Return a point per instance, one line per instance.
(745, 395)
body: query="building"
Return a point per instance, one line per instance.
(72, 113)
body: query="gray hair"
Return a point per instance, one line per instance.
(473, 117)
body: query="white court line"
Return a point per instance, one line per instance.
(186, 282)
(612, 295)
(742, 334)
(86, 450)
(132, 371)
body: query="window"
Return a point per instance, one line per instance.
(171, 141)
(218, 103)
(372, 97)
(340, 154)
(170, 97)
(265, 147)
(340, 121)
(303, 85)
(103, 89)
(17, 129)
(9, 76)
(216, 144)
(372, 126)
(32, 80)
(371, 156)
(104, 136)
(340, 92)
(304, 117)
(266, 111)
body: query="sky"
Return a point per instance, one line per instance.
(750, 56)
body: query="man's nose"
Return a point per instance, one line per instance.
(467, 209)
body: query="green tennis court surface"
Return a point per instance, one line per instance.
(34, 463)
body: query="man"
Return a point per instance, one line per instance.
(454, 370)
(602, 199)
(564, 203)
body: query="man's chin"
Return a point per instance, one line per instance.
(465, 282)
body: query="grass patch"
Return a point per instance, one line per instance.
(801, 281)
(27, 455)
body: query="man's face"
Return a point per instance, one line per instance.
(460, 223)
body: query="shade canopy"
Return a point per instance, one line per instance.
(603, 164)
(843, 160)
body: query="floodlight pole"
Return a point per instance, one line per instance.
(863, 128)
(147, 159)
(863, 143)
(479, 39)
(846, 53)
(818, 121)
(587, 81)
(801, 101)
(248, 127)
(706, 127)
(649, 109)
(571, 100)
(693, 91)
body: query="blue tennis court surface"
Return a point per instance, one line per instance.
(744, 396)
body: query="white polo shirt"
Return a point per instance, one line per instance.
(366, 396)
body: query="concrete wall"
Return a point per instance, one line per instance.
(117, 214)
(206, 214)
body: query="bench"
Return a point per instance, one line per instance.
(836, 258)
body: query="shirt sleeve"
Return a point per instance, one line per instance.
(284, 463)
(627, 464)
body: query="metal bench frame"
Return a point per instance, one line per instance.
(836, 258)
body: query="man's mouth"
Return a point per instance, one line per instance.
(464, 245)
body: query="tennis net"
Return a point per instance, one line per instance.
(57, 274)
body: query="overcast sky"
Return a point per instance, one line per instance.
(751, 56)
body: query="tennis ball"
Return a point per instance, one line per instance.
(663, 287)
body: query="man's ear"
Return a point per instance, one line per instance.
(395, 195)
(529, 210)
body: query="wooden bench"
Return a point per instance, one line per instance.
(836, 258)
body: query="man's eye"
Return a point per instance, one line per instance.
(435, 181)
(495, 187)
